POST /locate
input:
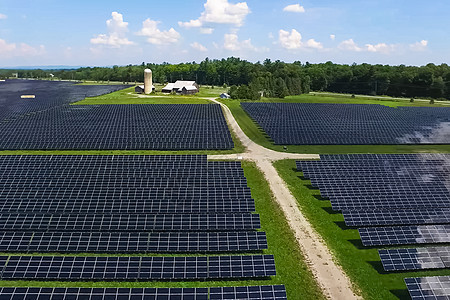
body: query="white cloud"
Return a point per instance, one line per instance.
(116, 36)
(349, 45)
(332, 37)
(219, 12)
(311, 43)
(199, 47)
(293, 40)
(296, 8)
(232, 43)
(156, 36)
(381, 47)
(419, 46)
(14, 50)
(204, 30)
(190, 24)
(2, 17)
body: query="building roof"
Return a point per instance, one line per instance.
(188, 88)
(143, 86)
(180, 84)
(170, 86)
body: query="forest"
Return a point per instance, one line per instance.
(275, 78)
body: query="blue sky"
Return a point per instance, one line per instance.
(97, 32)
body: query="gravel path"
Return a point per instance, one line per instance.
(330, 276)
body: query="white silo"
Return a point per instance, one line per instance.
(148, 81)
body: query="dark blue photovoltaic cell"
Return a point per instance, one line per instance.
(349, 124)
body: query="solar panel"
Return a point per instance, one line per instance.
(429, 288)
(349, 124)
(404, 235)
(132, 242)
(162, 222)
(104, 293)
(357, 218)
(415, 259)
(277, 292)
(141, 268)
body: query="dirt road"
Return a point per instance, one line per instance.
(330, 276)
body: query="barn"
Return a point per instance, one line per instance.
(182, 87)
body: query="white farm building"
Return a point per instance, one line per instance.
(182, 87)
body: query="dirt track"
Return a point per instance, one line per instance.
(330, 277)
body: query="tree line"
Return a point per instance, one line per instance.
(276, 78)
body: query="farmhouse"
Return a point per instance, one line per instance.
(182, 87)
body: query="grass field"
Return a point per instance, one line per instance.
(255, 132)
(291, 269)
(362, 264)
(127, 96)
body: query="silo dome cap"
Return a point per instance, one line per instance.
(147, 71)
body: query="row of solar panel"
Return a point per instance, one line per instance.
(102, 158)
(277, 292)
(121, 222)
(132, 242)
(415, 259)
(127, 206)
(136, 268)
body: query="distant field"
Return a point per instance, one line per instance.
(127, 96)
(362, 264)
(256, 133)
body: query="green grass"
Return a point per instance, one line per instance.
(346, 99)
(255, 132)
(291, 269)
(207, 91)
(127, 96)
(362, 264)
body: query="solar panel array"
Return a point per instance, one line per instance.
(429, 288)
(49, 94)
(132, 242)
(130, 204)
(415, 258)
(394, 200)
(350, 124)
(122, 222)
(251, 293)
(136, 268)
(49, 123)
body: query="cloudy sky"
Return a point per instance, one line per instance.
(108, 32)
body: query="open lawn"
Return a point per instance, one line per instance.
(127, 96)
(255, 132)
(362, 264)
(291, 269)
